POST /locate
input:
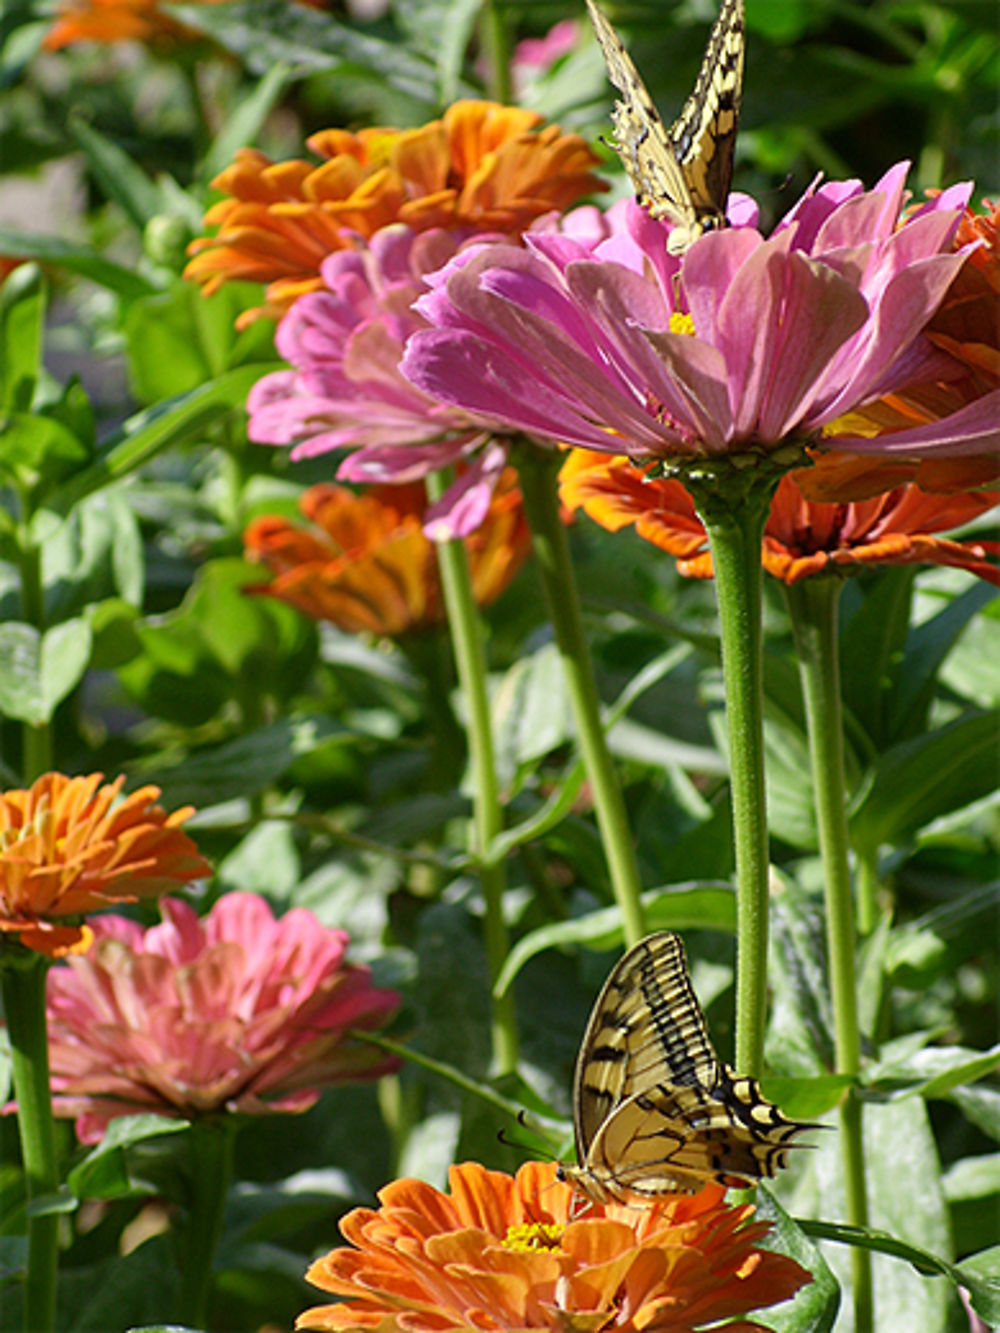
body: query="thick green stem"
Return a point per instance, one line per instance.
(537, 470)
(470, 660)
(735, 528)
(210, 1159)
(23, 978)
(814, 604)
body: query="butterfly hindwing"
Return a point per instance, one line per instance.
(683, 173)
(654, 1107)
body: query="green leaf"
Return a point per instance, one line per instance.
(245, 119)
(116, 172)
(973, 1178)
(243, 767)
(980, 1276)
(814, 1308)
(76, 258)
(23, 301)
(57, 1203)
(38, 671)
(805, 1098)
(103, 1173)
(677, 907)
(981, 1106)
(179, 339)
(265, 32)
(94, 554)
(927, 646)
(899, 1147)
(932, 1071)
(875, 619)
(799, 1038)
(158, 428)
(924, 778)
(37, 451)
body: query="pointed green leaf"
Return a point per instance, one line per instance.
(678, 907)
(924, 778)
(23, 300)
(814, 1308)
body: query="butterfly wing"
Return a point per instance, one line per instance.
(704, 134)
(682, 174)
(654, 1107)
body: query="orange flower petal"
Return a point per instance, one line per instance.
(367, 566)
(429, 1261)
(483, 166)
(67, 848)
(803, 538)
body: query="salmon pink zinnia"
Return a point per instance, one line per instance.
(505, 1253)
(236, 1012)
(741, 345)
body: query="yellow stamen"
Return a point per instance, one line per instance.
(534, 1236)
(681, 324)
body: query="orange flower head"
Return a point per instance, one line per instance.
(966, 327)
(67, 848)
(802, 538)
(367, 565)
(109, 21)
(502, 1252)
(483, 166)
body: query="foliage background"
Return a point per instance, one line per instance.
(314, 757)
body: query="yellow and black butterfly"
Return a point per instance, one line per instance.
(654, 1108)
(682, 173)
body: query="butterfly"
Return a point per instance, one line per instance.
(682, 173)
(654, 1108)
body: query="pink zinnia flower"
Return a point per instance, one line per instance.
(345, 390)
(235, 1012)
(741, 344)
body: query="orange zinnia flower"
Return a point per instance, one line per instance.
(483, 166)
(966, 327)
(502, 1253)
(801, 539)
(67, 848)
(367, 565)
(121, 21)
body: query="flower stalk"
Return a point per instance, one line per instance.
(537, 470)
(733, 506)
(470, 662)
(813, 604)
(210, 1157)
(23, 974)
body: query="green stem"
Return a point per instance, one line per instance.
(36, 757)
(23, 979)
(537, 469)
(814, 604)
(210, 1158)
(735, 527)
(470, 660)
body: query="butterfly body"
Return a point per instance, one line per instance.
(655, 1110)
(683, 173)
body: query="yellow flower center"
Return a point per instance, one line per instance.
(534, 1236)
(681, 324)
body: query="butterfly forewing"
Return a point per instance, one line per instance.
(654, 1107)
(683, 173)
